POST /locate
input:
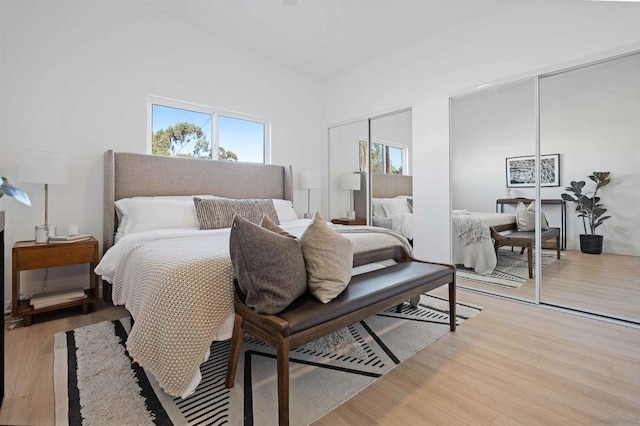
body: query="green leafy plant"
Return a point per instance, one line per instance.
(589, 207)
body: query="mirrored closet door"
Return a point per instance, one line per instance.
(391, 164)
(348, 153)
(591, 116)
(493, 141)
(586, 120)
(372, 157)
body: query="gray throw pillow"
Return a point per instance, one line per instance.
(269, 267)
(329, 259)
(267, 223)
(218, 213)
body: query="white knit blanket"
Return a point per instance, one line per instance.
(180, 292)
(365, 238)
(469, 228)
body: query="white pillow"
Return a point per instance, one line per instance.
(284, 210)
(376, 207)
(139, 214)
(394, 206)
(526, 218)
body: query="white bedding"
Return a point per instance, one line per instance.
(479, 255)
(177, 284)
(399, 222)
(393, 213)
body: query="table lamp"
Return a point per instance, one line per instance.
(350, 182)
(309, 181)
(46, 168)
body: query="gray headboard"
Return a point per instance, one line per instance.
(382, 186)
(142, 175)
(388, 186)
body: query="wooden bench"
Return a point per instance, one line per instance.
(307, 319)
(523, 239)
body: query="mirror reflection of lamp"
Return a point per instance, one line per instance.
(309, 181)
(46, 168)
(350, 182)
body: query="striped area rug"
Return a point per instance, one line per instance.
(511, 271)
(97, 383)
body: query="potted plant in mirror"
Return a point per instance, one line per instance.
(590, 210)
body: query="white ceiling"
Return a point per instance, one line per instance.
(324, 38)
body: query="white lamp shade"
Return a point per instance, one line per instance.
(310, 180)
(44, 167)
(350, 181)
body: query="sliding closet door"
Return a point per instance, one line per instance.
(591, 117)
(391, 151)
(348, 151)
(493, 140)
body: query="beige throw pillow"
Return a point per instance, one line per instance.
(526, 217)
(328, 257)
(218, 212)
(269, 267)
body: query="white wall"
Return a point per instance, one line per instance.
(75, 77)
(592, 117)
(513, 41)
(486, 128)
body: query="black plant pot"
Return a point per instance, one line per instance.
(591, 244)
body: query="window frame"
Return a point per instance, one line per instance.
(215, 113)
(404, 154)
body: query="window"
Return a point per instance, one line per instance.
(388, 159)
(243, 139)
(180, 129)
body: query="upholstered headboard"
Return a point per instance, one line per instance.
(388, 186)
(141, 175)
(382, 186)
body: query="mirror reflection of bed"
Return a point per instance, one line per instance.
(391, 202)
(588, 115)
(473, 248)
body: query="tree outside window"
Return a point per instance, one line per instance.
(182, 132)
(386, 159)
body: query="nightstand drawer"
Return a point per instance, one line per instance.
(59, 255)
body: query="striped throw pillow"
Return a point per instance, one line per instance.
(218, 212)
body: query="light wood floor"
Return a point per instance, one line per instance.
(605, 284)
(513, 364)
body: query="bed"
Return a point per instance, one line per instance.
(472, 246)
(392, 208)
(175, 279)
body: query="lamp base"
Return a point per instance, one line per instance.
(43, 232)
(351, 215)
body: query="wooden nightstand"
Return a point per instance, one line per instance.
(345, 221)
(28, 255)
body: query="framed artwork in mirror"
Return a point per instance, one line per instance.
(521, 171)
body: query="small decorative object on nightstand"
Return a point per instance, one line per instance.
(345, 221)
(28, 255)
